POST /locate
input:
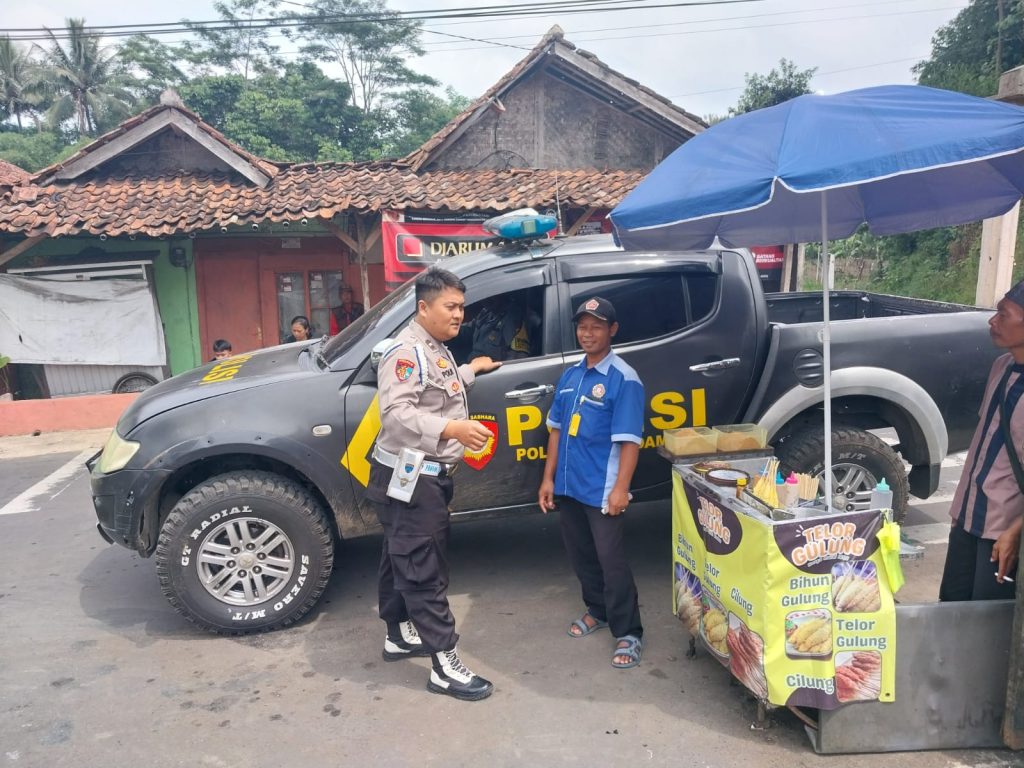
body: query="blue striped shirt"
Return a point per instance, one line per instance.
(609, 402)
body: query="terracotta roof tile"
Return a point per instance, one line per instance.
(11, 174)
(194, 202)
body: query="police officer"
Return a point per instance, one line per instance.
(504, 329)
(423, 407)
(597, 422)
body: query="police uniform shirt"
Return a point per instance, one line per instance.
(420, 389)
(596, 409)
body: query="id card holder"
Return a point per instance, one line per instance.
(574, 424)
(406, 474)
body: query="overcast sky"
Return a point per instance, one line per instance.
(696, 56)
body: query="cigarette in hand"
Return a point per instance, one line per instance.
(1005, 578)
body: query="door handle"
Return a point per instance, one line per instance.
(716, 365)
(522, 394)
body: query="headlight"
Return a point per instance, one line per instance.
(116, 453)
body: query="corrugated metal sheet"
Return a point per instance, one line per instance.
(66, 380)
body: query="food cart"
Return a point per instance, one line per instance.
(798, 605)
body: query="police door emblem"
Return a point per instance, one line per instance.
(479, 459)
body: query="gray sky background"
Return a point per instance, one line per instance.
(695, 56)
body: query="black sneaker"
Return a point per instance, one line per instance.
(405, 644)
(451, 677)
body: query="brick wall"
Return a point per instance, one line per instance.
(550, 124)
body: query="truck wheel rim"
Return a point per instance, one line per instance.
(245, 561)
(851, 487)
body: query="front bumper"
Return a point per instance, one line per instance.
(125, 502)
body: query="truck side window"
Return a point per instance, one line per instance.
(652, 305)
(504, 327)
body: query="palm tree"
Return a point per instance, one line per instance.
(86, 79)
(16, 79)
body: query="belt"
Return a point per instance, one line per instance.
(431, 467)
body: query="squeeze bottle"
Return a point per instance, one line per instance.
(881, 496)
(789, 495)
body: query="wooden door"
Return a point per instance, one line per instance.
(227, 285)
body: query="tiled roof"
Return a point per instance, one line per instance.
(192, 202)
(552, 42)
(11, 174)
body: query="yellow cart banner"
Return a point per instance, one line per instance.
(799, 611)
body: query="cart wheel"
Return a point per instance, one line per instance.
(133, 382)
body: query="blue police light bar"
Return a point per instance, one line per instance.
(524, 224)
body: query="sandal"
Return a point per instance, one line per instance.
(584, 628)
(628, 645)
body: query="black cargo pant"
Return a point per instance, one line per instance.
(969, 573)
(596, 545)
(413, 572)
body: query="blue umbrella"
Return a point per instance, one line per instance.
(899, 158)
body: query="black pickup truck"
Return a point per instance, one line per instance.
(242, 476)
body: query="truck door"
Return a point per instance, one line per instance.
(512, 315)
(686, 325)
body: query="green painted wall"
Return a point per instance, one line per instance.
(176, 295)
(175, 287)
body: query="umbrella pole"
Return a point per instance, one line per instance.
(826, 344)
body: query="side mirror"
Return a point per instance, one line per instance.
(378, 351)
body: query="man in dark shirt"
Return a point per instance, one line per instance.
(344, 314)
(988, 507)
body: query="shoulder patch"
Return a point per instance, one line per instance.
(404, 369)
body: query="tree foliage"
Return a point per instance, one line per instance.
(232, 75)
(85, 81)
(297, 115)
(779, 85)
(19, 81)
(240, 43)
(969, 53)
(367, 41)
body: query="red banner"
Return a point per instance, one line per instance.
(768, 257)
(412, 242)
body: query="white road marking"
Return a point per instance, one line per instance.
(53, 484)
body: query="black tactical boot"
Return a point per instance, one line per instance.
(403, 642)
(453, 678)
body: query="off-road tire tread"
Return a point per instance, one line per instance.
(250, 482)
(803, 449)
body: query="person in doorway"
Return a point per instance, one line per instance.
(988, 506)
(221, 349)
(596, 423)
(301, 330)
(423, 408)
(345, 313)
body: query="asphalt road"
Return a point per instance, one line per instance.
(97, 669)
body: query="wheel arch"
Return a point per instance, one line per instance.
(345, 522)
(868, 398)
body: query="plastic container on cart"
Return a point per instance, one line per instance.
(741, 437)
(881, 496)
(691, 441)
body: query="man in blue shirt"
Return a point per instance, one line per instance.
(596, 423)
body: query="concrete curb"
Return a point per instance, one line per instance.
(24, 417)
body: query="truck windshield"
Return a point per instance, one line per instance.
(340, 344)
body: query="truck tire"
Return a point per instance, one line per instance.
(859, 461)
(136, 381)
(245, 552)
